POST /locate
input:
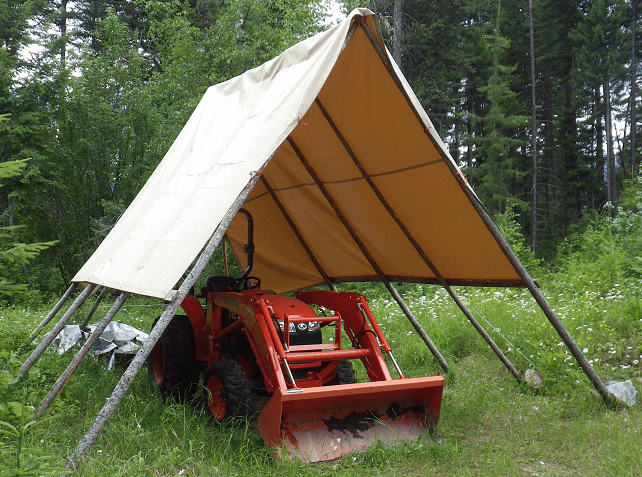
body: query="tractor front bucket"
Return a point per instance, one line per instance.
(323, 423)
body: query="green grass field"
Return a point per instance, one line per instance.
(490, 423)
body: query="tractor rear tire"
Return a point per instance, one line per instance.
(227, 390)
(345, 374)
(172, 365)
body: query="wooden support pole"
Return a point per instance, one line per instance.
(353, 28)
(226, 269)
(48, 318)
(139, 360)
(540, 299)
(64, 377)
(502, 357)
(420, 331)
(492, 227)
(103, 292)
(49, 337)
(415, 323)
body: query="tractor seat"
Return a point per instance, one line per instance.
(220, 284)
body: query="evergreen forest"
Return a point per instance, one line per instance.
(536, 99)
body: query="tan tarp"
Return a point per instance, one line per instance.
(330, 118)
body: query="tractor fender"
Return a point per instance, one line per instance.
(194, 311)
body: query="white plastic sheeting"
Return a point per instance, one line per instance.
(117, 338)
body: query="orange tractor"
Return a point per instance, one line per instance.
(250, 342)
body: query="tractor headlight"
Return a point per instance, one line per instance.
(310, 326)
(281, 326)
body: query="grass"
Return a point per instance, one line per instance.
(490, 424)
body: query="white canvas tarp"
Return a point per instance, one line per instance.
(353, 158)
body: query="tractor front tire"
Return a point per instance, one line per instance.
(345, 374)
(172, 366)
(227, 390)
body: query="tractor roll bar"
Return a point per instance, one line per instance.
(249, 246)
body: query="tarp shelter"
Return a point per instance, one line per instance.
(346, 178)
(325, 116)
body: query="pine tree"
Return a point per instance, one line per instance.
(14, 255)
(496, 148)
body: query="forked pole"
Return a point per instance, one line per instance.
(64, 377)
(49, 337)
(141, 356)
(49, 317)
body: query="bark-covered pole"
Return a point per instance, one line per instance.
(128, 377)
(508, 251)
(49, 317)
(103, 292)
(366, 253)
(415, 323)
(58, 385)
(498, 352)
(539, 297)
(49, 337)
(417, 326)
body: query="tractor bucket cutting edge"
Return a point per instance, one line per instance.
(323, 423)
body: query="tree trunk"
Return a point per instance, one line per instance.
(599, 129)
(633, 97)
(534, 130)
(63, 33)
(396, 41)
(611, 185)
